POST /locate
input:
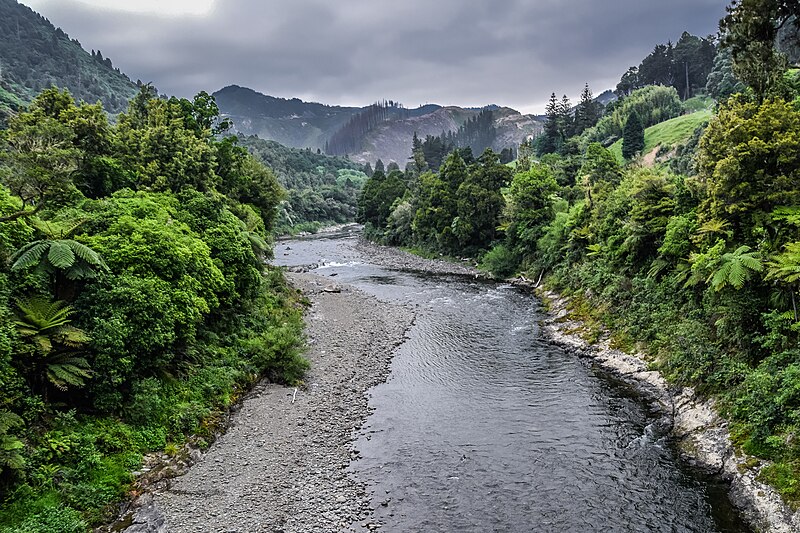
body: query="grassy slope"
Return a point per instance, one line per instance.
(670, 133)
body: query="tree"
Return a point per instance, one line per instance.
(748, 165)
(53, 344)
(722, 82)
(632, 136)
(586, 113)
(628, 83)
(750, 30)
(530, 206)
(480, 202)
(40, 157)
(551, 137)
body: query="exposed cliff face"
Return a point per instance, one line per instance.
(301, 124)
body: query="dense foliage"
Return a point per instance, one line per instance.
(699, 269)
(684, 66)
(35, 55)
(134, 298)
(320, 189)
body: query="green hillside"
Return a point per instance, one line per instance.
(668, 134)
(35, 55)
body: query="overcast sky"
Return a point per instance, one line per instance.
(354, 52)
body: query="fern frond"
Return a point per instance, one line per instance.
(29, 255)
(61, 255)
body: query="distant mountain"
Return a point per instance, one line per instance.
(292, 123)
(35, 55)
(380, 131)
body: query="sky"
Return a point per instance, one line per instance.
(355, 52)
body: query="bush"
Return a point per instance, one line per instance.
(501, 261)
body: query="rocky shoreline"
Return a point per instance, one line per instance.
(702, 435)
(282, 464)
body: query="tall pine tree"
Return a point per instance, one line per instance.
(632, 136)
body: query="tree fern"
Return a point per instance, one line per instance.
(785, 266)
(66, 369)
(75, 259)
(734, 269)
(30, 255)
(60, 255)
(54, 341)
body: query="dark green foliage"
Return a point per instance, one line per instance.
(35, 55)
(750, 31)
(722, 82)
(587, 112)
(378, 196)
(684, 67)
(320, 189)
(632, 136)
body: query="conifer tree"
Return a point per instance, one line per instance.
(632, 136)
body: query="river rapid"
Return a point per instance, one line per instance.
(484, 426)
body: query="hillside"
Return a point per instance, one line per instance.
(320, 189)
(661, 140)
(301, 124)
(293, 123)
(35, 55)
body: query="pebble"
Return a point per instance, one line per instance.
(283, 466)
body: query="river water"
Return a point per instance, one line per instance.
(482, 426)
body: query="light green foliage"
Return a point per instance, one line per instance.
(653, 104)
(162, 152)
(531, 197)
(170, 312)
(669, 134)
(749, 165)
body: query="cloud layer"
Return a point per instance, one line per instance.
(352, 52)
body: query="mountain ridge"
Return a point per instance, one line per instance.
(35, 55)
(299, 124)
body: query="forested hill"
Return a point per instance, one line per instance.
(35, 55)
(293, 123)
(320, 189)
(380, 131)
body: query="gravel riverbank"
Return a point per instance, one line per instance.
(395, 258)
(282, 464)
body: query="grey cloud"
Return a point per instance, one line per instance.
(462, 52)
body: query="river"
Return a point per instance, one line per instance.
(484, 426)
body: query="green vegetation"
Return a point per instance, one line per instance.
(135, 303)
(321, 189)
(35, 55)
(697, 264)
(668, 134)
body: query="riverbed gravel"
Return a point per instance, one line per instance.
(395, 258)
(282, 465)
